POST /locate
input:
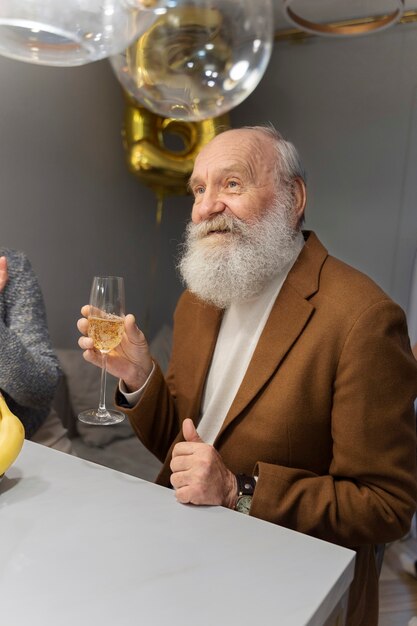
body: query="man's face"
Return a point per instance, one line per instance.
(234, 174)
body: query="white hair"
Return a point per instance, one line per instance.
(288, 164)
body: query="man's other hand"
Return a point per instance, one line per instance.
(199, 475)
(4, 276)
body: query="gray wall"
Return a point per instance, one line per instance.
(68, 200)
(350, 107)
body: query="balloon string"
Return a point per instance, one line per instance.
(159, 208)
(154, 262)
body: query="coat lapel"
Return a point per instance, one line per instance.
(199, 346)
(289, 316)
(209, 325)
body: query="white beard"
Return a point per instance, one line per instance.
(240, 258)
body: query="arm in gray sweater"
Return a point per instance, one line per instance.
(29, 369)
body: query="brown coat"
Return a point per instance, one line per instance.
(324, 414)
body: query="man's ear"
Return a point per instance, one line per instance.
(299, 193)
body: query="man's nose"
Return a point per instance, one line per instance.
(209, 205)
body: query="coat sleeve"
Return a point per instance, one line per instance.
(154, 418)
(369, 494)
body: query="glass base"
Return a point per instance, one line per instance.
(98, 418)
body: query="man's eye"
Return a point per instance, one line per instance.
(232, 184)
(198, 191)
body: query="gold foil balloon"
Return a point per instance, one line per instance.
(164, 169)
(199, 59)
(71, 32)
(146, 137)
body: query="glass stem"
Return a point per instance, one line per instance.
(102, 406)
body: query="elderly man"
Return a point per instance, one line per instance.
(289, 394)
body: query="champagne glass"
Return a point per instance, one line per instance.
(105, 327)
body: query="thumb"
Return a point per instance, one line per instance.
(189, 431)
(132, 331)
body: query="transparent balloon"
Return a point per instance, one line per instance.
(71, 32)
(200, 58)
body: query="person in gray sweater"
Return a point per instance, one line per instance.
(29, 368)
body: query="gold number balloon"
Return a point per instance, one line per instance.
(164, 168)
(199, 59)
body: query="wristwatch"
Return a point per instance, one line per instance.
(245, 489)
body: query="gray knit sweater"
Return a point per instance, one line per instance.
(29, 369)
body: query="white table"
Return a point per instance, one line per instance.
(83, 545)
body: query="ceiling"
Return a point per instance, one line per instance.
(336, 10)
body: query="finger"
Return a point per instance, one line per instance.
(86, 343)
(85, 310)
(190, 495)
(94, 357)
(183, 448)
(179, 479)
(183, 495)
(180, 463)
(189, 431)
(82, 325)
(134, 334)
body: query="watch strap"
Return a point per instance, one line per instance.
(243, 504)
(245, 485)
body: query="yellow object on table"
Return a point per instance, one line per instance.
(12, 435)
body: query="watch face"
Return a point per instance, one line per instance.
(243, 504)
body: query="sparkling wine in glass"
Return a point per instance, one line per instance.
(105, 327)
